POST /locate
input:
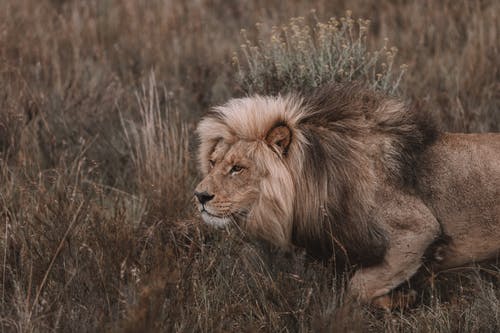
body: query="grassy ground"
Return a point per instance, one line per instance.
(98, 102)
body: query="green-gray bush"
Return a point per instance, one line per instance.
(301, 56)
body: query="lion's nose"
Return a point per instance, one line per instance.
(203, 197)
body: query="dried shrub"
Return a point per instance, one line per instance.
(296, 56)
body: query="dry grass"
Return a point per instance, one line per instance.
(98, 101)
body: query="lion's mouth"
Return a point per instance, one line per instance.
(214, 220)
(220, 220)
(204, 211)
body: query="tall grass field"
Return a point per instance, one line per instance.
(99, 100)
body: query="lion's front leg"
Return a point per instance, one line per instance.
(410, 232)
(400, 263)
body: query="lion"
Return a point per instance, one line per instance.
(348, 172)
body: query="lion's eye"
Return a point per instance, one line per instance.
(212, 163)
(236, 169)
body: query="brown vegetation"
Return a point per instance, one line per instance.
(98, 102)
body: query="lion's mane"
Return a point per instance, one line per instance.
(347, 141)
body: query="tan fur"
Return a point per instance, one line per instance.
(348, 172)
(266, 179)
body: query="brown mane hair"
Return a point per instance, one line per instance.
(358, 140)
(346, 142)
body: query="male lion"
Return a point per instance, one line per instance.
(351, 172)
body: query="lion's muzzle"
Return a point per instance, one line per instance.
(203, 197)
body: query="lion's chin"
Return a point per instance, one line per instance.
(214, 221)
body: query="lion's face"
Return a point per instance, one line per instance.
(248, 148)
(231, 187)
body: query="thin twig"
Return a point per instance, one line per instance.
(58, 250)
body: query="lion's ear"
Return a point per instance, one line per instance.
(279, 137)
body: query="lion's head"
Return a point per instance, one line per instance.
(248, 151)
(304, 170)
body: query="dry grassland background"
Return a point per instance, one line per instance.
(98, 103)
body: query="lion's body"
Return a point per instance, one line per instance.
(459, 180)
(351, 173)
